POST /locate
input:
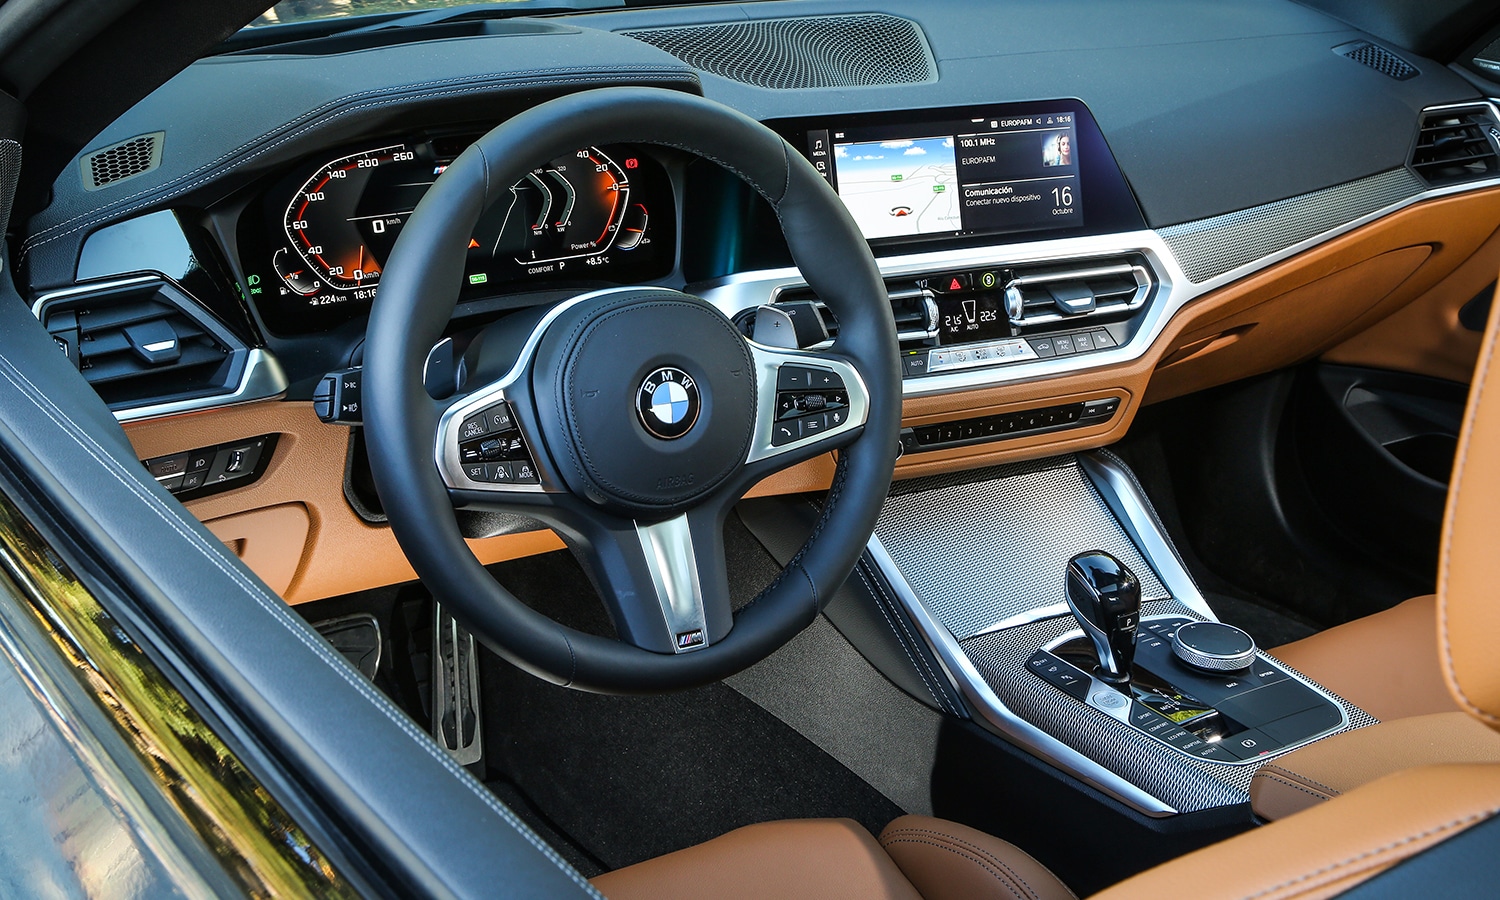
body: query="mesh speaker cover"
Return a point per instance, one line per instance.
(10, 171)
(122, 161)
(1378, 58)
(806, 52)
(1210, 247)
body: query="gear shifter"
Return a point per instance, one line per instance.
(1106, 598)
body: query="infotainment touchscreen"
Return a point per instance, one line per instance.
(977, 175)
(952, 174)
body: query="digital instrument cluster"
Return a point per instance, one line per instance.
(600, 214)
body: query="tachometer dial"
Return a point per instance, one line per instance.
(330, 225)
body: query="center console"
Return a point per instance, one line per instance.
(1060, 612)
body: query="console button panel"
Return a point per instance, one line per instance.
(1233, 717)
(1008, 425)
(214, 469)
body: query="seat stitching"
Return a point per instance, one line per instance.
(940, 835)
(1300, 777)
(858, 570)
(1371, 855)
(1296, 787)
(278, 611)
(1470, 417)
(1006, 882)
(315, 119)
(884, 593)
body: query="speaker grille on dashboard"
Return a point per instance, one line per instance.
(806, 52)
(127, 159)
(1378, 58)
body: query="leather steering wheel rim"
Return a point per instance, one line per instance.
(417, 297)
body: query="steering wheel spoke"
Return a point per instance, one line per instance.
(806, 404)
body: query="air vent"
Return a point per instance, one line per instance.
(143, 343)
(914, 309)
(122, 161)
(1456, 145)
(804, 52)
(1070, 292)
(1378, 58)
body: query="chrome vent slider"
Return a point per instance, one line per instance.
(1040, 295)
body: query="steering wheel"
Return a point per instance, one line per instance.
(631, 420)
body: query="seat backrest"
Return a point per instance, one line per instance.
(1468, 609)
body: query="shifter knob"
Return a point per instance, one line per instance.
(1106, 599)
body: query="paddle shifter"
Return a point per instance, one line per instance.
(1106, 599)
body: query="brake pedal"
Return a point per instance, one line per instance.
(455, 689)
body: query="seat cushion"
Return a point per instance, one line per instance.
(948, 861)
(795, 858)
(922, 859)
(1386, 663)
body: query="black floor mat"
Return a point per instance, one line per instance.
(629, 778)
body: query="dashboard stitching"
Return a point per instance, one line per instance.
(314, 119)
(278, 611)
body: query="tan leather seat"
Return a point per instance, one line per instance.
(916, 857)
(1321, 851)
(1386, 663)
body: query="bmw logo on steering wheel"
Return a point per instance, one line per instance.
(668, 403)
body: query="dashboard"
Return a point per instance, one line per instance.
(1076, 207)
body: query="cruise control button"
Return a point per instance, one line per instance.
(477, 472)
(501, 473)
(525, 472)
(498, 418)
(473, 427)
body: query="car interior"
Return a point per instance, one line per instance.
(792, 448)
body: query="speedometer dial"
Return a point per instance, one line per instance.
(331, 224)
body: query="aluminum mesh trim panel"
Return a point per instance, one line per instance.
(805, 52)
(1210, 247)
(981, 547)
(10, 172)
(1185, 783)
